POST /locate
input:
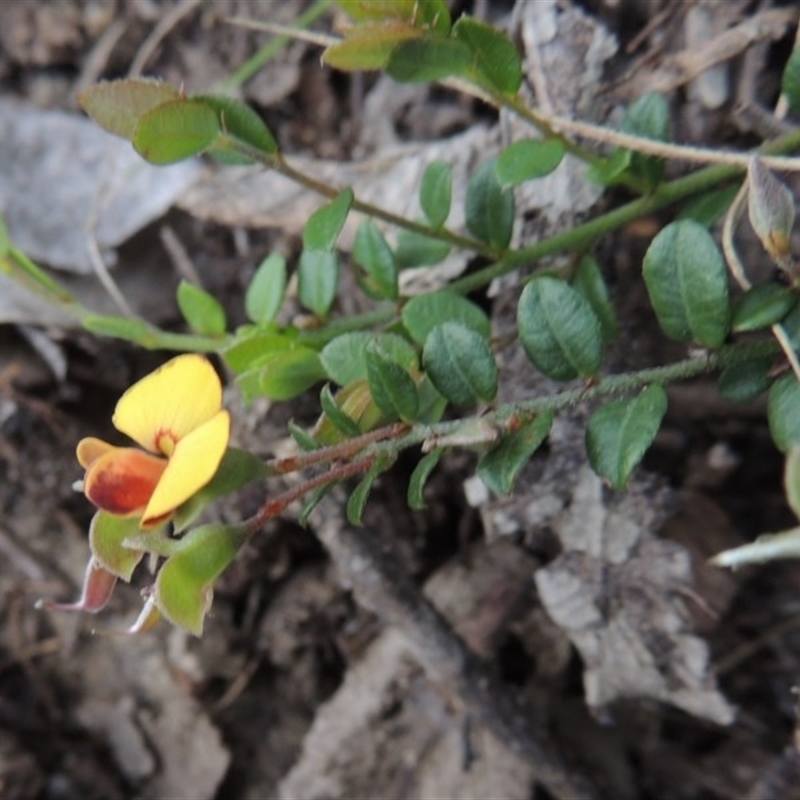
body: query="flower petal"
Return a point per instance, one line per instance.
(98, 584)
(166, 405)
(193, 464)
(90, 449)
(122, 480)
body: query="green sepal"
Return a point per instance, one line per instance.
(184, 585)
(237, 469)
(107, 533)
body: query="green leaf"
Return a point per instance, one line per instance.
(419, 477)
(237, 469)
(325, 224)
(432, 404)
(175, 130)
(355, 400)
(791, 480)
(527, 159)
(367, 47)
(358, 499)
(783, 412)
(428, 58)
(610, 170)
(648, 117)
(317, 280)
(619, 433)
(460, 364)
(117, 106)
(790, 84)
(305, 441)
(687, 282)
(5, 240)
(424, 312)
(496, 60)
(107, 533)
(501, 466)
(707, 208)
(246, 352)
(417, 250)
(762, 306)
(589, 282)
(282, 374)
(558, 328)
(372, 253)
(266, 291)
(435, 192)
(184, 585)
(239, 121)
(201, 310)
(392, 388)
(344, 358)
(489, 207)
(339, 419)
(743, 382)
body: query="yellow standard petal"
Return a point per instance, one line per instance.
(166, 405)
(191, 466)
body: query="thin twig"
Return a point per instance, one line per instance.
(365, 565)
(162, 29)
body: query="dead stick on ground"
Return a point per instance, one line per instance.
(379, 586)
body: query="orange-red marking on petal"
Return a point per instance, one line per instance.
(123, 480)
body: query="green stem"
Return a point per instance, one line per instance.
(582, 236)
(443, 234)
(502, 418)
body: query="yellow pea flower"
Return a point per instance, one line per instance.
(175, 414)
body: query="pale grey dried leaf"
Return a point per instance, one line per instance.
(59, 172)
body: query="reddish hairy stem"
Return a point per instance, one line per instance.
(280, 466)
(279, 504)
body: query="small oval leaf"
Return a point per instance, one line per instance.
(201, 310)
(501, 466)
(417, 250)
(325, 224)
(489, 207)
(419, 477)
(460, 364)
(527, 159)
(783, 412)
(317, 280)
(743, 382)
(428, 58)
(790, 84)
(435, 193)
(619, 433)
(762, 306)
(107, 533)
(175, 130)
(392, 388)
(117, 106)
(560, 332)
(687, 282)
(495, 58)
(372, 253)
(590, 283)
(424, 312)
(266, 291)
(241, 122)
